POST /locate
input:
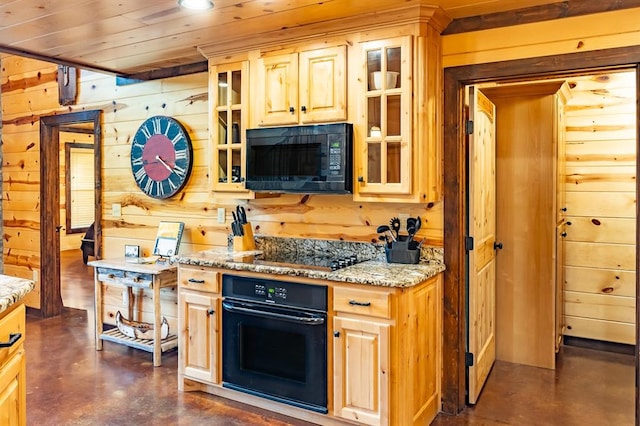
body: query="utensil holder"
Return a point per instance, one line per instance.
(400, 253)
(246, 241)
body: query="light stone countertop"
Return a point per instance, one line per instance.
(371, 272)
(12, 290)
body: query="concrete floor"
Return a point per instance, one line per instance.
(69, 383)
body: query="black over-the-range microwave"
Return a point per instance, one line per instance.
(300, 159)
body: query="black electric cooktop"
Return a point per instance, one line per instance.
(303, 261)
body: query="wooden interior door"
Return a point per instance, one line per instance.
(526, 216)
(482, 228)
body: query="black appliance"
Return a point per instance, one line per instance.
(300, 159)
(274, 342)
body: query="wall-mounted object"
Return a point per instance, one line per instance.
(67, 85)
(161, 157)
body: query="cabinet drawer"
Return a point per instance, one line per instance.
(12, 328)
(199, 278)
(136, 279)
(364, 302)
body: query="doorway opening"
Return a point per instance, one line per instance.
(51, 128)
(560, 180)
(455, 80)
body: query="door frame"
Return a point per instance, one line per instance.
(50, 294)
(455, 175)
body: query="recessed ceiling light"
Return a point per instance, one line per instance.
(196, 4)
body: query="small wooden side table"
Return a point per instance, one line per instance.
(149, 276)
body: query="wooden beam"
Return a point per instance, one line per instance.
(528, 15)
(455, 79)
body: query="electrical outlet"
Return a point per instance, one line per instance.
(403, 218)
(116, 210)
(35, 275)
(221, 214)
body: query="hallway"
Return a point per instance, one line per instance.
(69, 383)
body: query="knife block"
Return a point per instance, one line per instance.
(245, 242)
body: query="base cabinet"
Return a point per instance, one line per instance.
(13, 392)
(361, 367)
(201, 336)
(387, 353)
(199, 326)
(383, 354)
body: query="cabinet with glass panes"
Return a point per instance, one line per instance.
(228, 99)
(397, 151)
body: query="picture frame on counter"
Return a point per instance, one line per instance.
(131, 250)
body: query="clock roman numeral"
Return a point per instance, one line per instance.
(157, 126)
(148, 186)
(181, 154)
(146, 132)
(159, 188)
(179, 171)
(177, 138)
(172, 186)
(139, 175)
(137, 161)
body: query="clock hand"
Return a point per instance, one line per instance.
(163, 163)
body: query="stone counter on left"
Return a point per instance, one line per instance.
(12, 290)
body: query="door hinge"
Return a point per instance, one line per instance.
(468, 127)
(468, 359)
(468, 243)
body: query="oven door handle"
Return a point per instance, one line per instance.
(312, 320)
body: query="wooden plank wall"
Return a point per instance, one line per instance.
(599, 288)
(569, 35)
(29, 91)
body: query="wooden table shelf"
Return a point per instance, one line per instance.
(149, 276)
(114, 335)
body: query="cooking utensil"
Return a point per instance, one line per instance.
(384, 229)
(395, 226)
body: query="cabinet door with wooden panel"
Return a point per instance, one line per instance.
(13, 394)
(199, 324)
(308, 87)
(200, 337)
(361, 364)
(228, 96)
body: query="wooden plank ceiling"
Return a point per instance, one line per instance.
(132, 37)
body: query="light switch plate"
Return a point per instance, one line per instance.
(116, 210)
(221, 214)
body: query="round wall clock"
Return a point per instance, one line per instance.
(161, 157)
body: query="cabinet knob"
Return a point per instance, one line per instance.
(360, 179)
(564, 209)
(336, 334)
(564, 234)
(497, 246)
(292, 110)
(210, 312)
(303, 109)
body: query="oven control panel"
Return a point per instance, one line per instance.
(270, 292)
(273, 291)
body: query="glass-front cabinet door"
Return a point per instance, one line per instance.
(228, 100)
(383, 149)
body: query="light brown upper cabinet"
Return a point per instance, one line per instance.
(228, 87)
(397, 143)
(299, 88)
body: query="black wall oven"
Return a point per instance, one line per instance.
(274, 340)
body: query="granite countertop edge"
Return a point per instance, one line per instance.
(12, 290)
(370, 272)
